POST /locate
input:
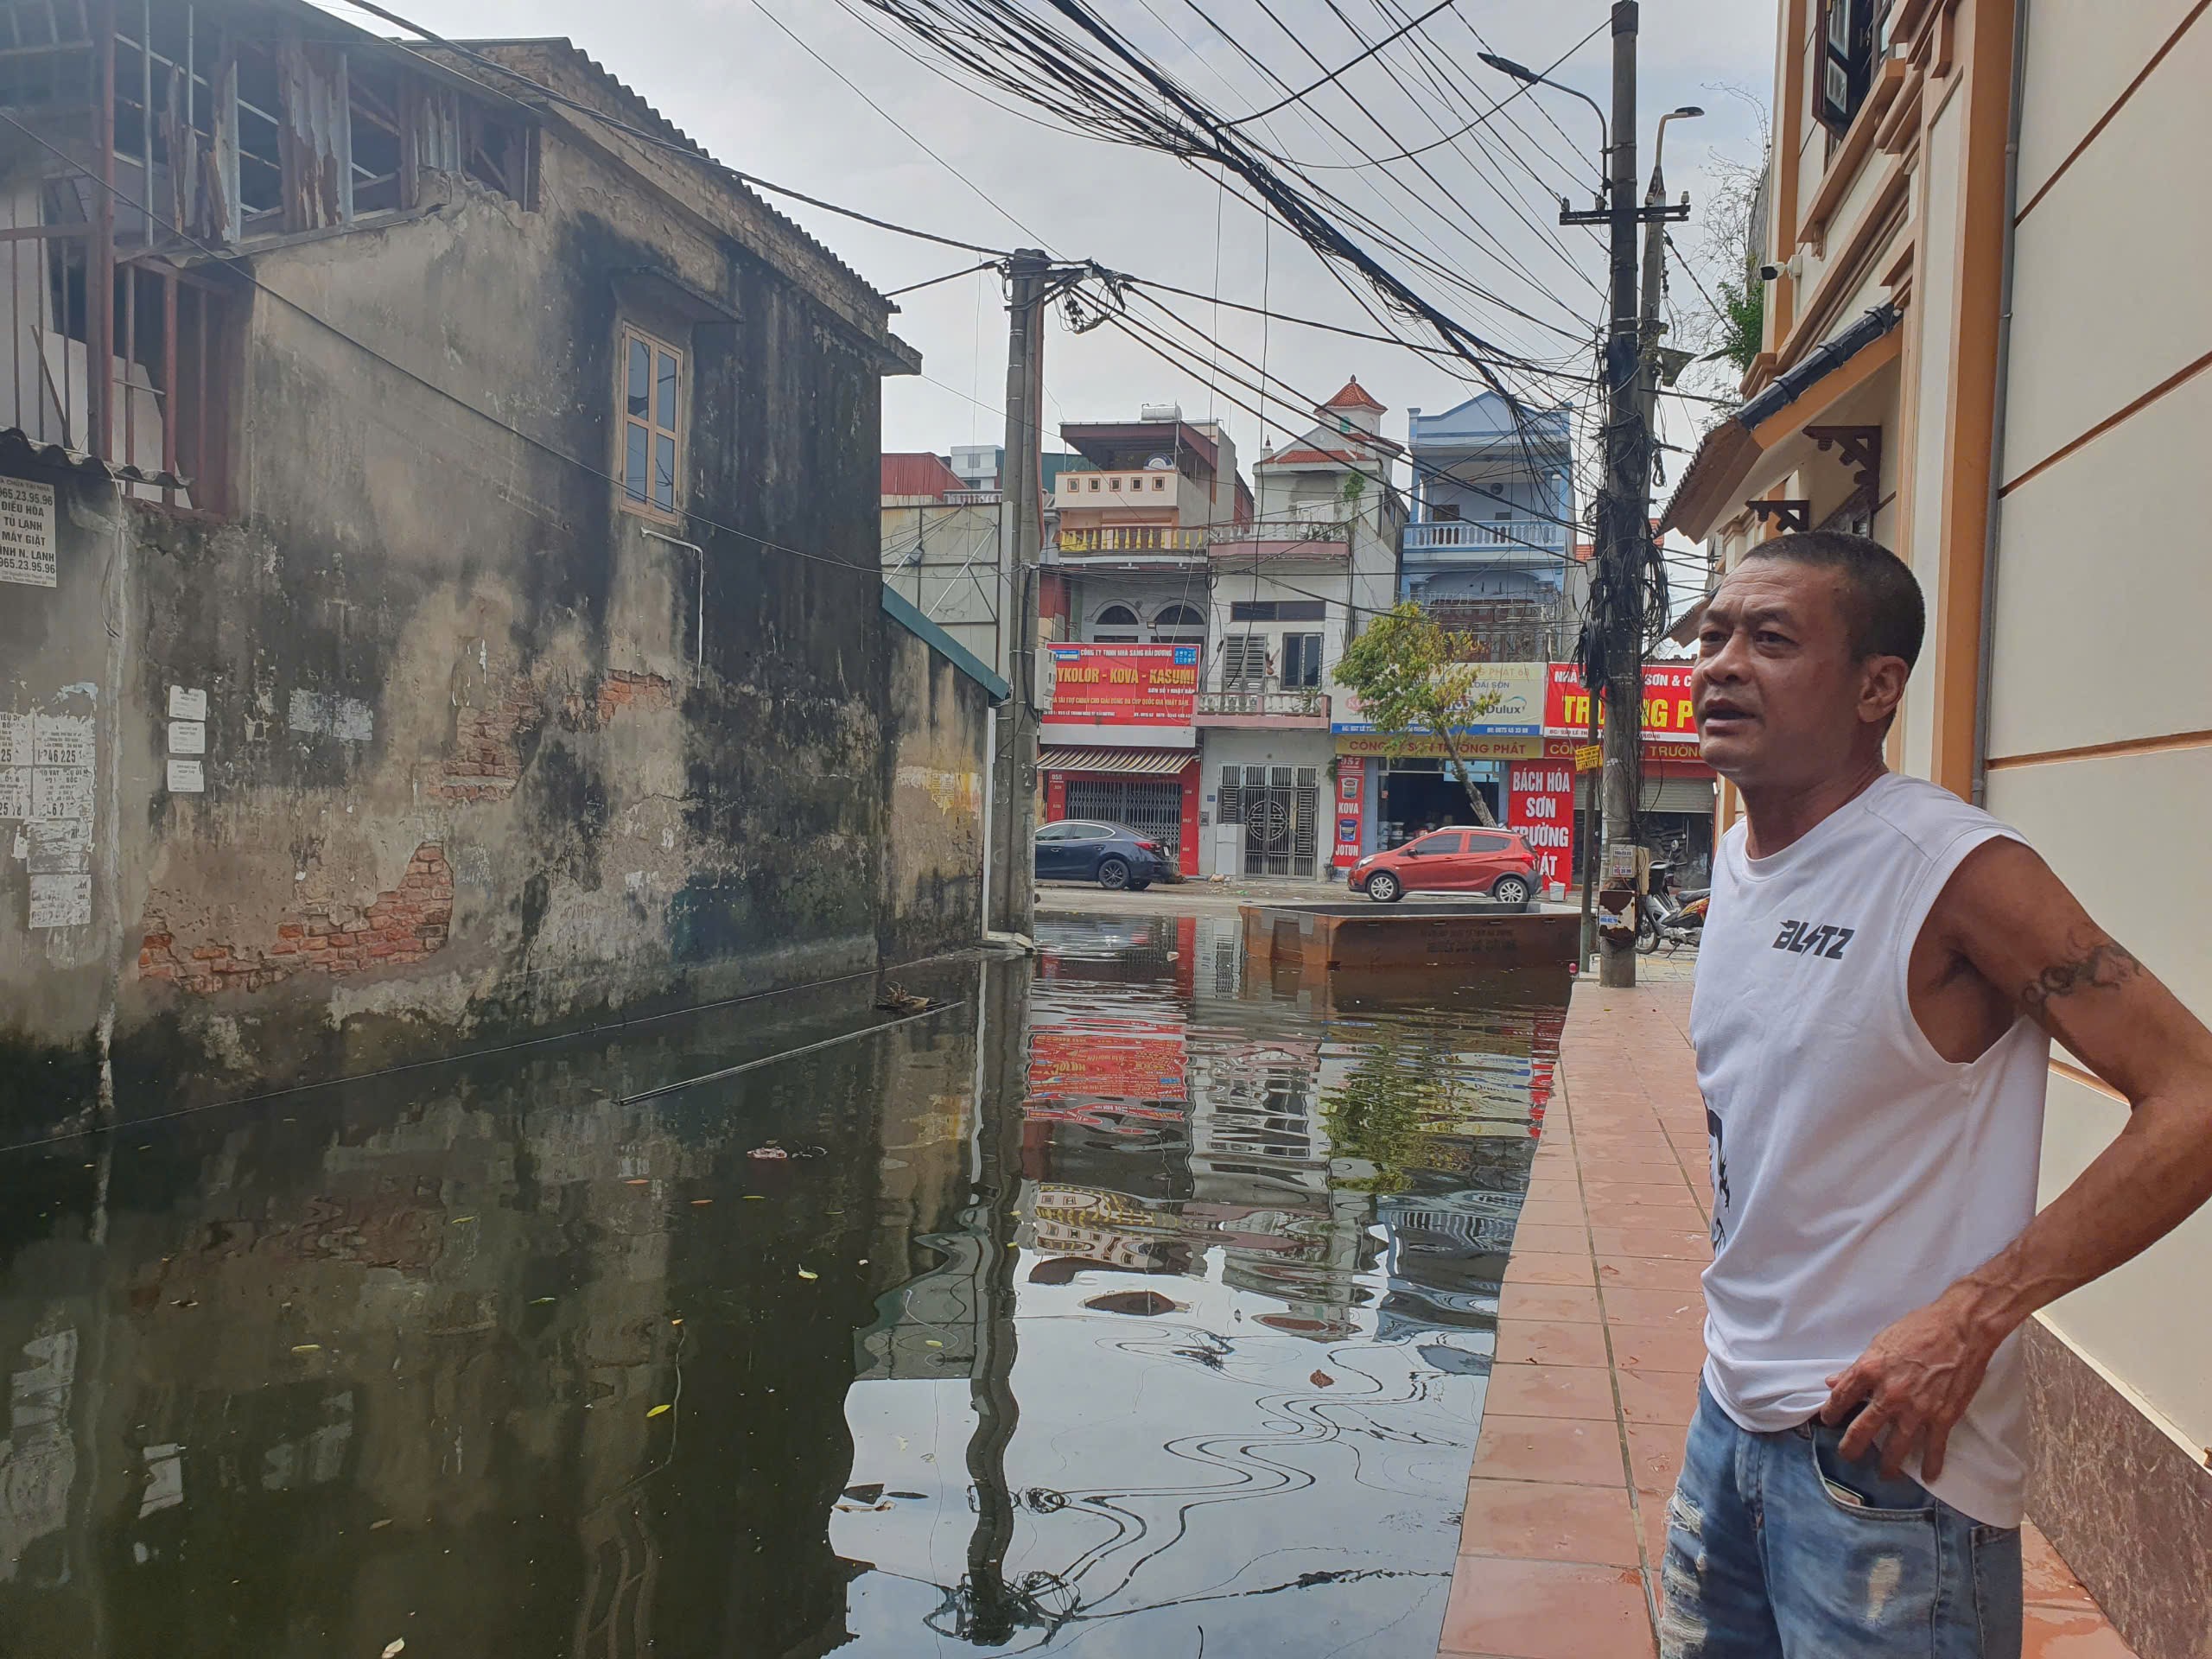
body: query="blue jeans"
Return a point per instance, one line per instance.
(1777, 1548)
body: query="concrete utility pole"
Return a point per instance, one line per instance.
(1624, 512)
(1011, 904)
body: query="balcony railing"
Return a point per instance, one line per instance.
(1485, 535)
(1133, 539)
(1282, 530)
(1302, 704)
(971, 498)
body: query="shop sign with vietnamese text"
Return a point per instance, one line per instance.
(1124, 685)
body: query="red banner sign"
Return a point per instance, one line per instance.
(1540, 804)
(1118, 1060)
(1124, 685)
(1667, 716)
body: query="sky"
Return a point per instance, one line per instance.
(808, 94)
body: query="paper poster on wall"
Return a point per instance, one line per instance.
(59, 846)
(187, 703)
(187, 737)
(187, 778)
(27, 533)
(62, 900)
(18, 739)
(61, 792)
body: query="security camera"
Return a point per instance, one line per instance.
(1771, 273)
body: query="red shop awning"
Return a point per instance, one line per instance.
(1154, 763)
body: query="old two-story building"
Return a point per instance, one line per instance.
(1985, 345)
(441, 561)
(1193, 681)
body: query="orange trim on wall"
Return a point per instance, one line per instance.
(1985, 65)
(2164, 744)
(2105, 120)
(1789, 138)
(2172, 381)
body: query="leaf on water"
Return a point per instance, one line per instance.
(394, 1648)
(761, 1197)
(378, 1526)
(803, 1273)
(702, 1201)
(657, 1410)
(462, 1221)
(932, 1342)
(539, 1301)
(640, 1180)
(307, 1347)
(676, 1321)
(1322, 1380)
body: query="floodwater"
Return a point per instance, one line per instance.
(1121, 1306)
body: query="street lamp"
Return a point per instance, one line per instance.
(1521, 72)
(1688, 112)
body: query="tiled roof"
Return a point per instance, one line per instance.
(1354, 396)
(923, 473)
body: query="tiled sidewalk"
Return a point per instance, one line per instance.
(1599, 1340)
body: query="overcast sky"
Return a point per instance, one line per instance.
(763, 102)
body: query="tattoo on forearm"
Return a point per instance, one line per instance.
(2103, 966)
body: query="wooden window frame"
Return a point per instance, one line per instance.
(631, 334)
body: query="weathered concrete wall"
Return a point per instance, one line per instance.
(933, 862)
(479, 763)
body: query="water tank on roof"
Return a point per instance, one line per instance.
(1160, 412)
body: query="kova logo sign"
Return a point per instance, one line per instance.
(1124, 685)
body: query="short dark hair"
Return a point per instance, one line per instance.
(1886, 613)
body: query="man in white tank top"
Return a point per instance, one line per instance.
(1882, 972)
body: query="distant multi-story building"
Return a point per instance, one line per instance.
(1489, 551)
(1126, 589)
(1289, 590)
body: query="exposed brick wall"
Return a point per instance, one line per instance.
(623, 689)
(404, 924)
(485, 762)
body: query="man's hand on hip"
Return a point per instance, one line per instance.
(1916, 1378)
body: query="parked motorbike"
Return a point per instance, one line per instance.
(1670, 914)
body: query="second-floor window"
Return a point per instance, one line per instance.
(1445, 512)
(652, 400)
(1301, 661)
(1848, 30)
(1244, 662)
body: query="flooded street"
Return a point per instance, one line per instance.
(1125, 1304)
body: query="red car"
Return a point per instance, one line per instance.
(1462, 860)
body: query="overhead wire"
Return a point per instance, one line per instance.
(657, 141)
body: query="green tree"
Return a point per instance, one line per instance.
(1415, 679)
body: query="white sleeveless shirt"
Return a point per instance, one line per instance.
(1856, 1172)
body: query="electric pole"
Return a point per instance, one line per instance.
(1624, 522)
(1011, 905)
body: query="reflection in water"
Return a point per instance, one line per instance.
(1178, 1343)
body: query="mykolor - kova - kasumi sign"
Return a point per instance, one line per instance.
(1125, 685)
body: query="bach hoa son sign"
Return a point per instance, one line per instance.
(1539, 806)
